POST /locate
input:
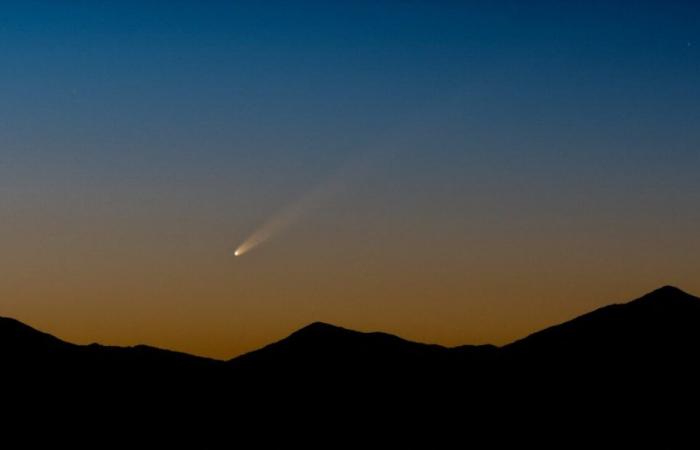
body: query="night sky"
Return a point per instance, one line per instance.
(478, 170)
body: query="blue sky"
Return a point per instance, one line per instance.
(551, 125)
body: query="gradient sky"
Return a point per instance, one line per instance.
(523, 163)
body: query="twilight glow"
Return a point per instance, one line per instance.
(450, 172)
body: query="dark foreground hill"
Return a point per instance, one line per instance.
(657, 325)
(24, 349)
(654, 339)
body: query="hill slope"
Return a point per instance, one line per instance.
(659, 331)
(658, 325)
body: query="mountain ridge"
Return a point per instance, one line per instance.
(646, 346)
(658, 299)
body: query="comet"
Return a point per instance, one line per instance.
(292, 213)
(350, 173)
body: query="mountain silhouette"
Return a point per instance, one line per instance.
(20, 340)
(655, 335)
(666, 313)
(656, 326)
(322, 346)
(321, 353)
(25, 350)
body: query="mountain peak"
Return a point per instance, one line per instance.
(321, 326)
(320, 329)
(671, 289)
(667, 293)
(659, 321)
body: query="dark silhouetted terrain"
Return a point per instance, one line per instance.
(647, 347)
